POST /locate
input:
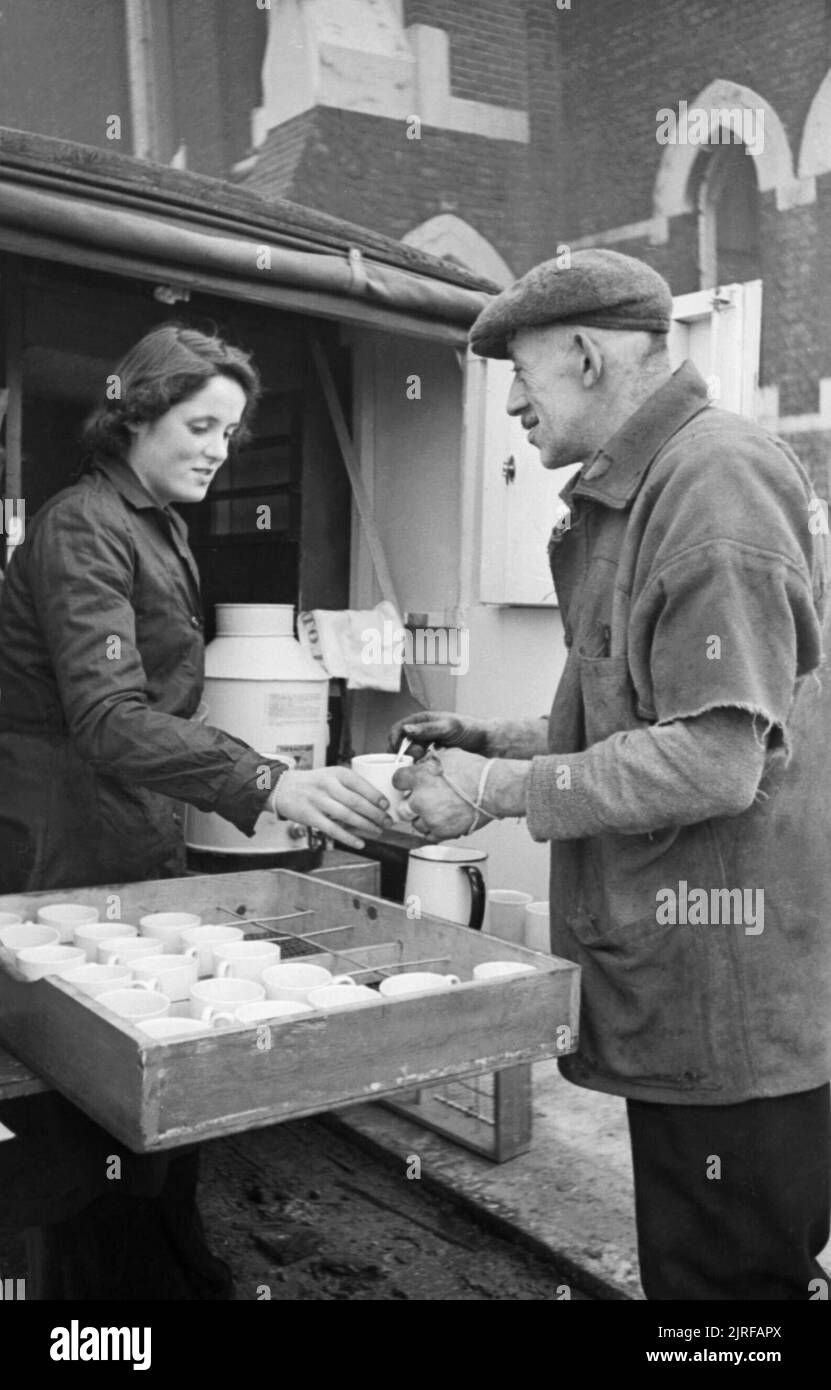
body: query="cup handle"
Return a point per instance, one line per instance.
(453, 979)
(112, 958)
(478, 897)
(342, 980)
(144, 984)
(218, 1020)
(223, 969)
(192, 951)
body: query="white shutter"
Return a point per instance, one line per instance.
(720, 330)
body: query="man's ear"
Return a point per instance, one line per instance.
(591, 359)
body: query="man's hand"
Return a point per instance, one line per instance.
(434, 808)
(335, 800)
(445, 730)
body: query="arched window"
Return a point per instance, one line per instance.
(728, 217)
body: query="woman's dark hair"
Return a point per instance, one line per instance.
(168, 365)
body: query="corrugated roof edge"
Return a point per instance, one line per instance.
(210, 202)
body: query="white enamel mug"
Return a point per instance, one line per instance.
(199, 943)
(245, 960)
(67, 917)
(291, 980)
(506, 914)
(212, 1000)
(537, 929)
(342, 996)
(135, 1004)
(23, 934)
(124, 950)
(167, 927)
(170, 974)
(379, 769)
(36, 961)
(448, 881)
(91, 934)
(416, 982)
(94, 979)
(501, 969)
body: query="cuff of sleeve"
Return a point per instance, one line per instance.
(557, 807)
(248, 790)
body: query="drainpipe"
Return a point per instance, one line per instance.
(142, 79)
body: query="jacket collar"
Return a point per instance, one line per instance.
(615, 472)
(128, 485)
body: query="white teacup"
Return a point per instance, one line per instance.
(245, 960)
(506, 914)
(167, 1029)
(501, 969)
(96, 979)
(91, 934)
(342, 996)
(36, 961)
(67, 917)
(417, 982)
(537, 930)
(124, 950)
(379, 768)
(170, 974)
(292, 980)
(270, 1010)
(168, 927)
(199, 942)
(216, 1000)
(9, 919)
(23, 934)
(135, 1003)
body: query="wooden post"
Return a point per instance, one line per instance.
(13, 302)
(373, 539)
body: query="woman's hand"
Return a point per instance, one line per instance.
(332, 799)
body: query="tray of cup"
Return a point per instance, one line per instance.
(215, 1004)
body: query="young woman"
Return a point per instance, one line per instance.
(101, 668)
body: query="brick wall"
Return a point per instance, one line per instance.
(363, 168)
(63, 69)
(623, 62)
(487, 49)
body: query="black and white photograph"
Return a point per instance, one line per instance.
(415, 669)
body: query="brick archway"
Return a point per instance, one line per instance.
(774, 162)
(815, 148)
(447, 235)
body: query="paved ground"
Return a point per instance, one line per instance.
(303, 1214)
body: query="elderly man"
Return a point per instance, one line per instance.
(683, 779)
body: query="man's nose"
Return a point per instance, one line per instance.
(516, 398)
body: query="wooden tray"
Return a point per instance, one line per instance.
(155, 1095)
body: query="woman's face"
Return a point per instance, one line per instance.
(177, 456)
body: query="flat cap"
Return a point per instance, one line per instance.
(598, 288)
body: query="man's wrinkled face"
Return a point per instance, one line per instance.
(548, 393)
